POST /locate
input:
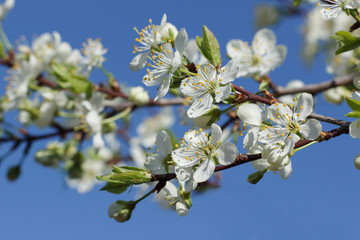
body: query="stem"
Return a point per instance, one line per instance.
(145, 196)
(4, 38)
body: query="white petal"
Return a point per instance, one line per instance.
(216, 133)
(139, 61)
(311, 129)
(200, 106)
(260, 164)
(170, 189)
(222, 93)
(163, 142)
(286, 171)
(163, 88)
(181, 208)
(179, 156)
(231, 70)
(227, 153)
(251, 138)
(204, 171)
(181, 41)
(305, 106)
(240, 49)
(250, 114)
(264, 41)
(355, 129)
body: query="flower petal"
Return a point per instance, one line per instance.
(200, 106)
(204, 171)
(181, 41)
(226, 154)
(216, 133)
(250, 114)
(264, 41)
(355, 129)
(311, 129)
(286, 171)
(138, 62)
(163, 142)
(304, 107)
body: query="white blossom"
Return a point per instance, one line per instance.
(332, 8)
(288, 122)
(203, 152)
(6, 7)
(172, 194)
(149, 37)
(208, 85)
(138, 96)
(93, 54)
(259, 59)
(165, 63)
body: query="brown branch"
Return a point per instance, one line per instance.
(244, 158)
(315, 88)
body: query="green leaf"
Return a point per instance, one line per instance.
(2, 50)
(115, 188)
(346, 42)
(354, 114)
(209, 46)
(68, 79)
(126, 175)
(353, 104)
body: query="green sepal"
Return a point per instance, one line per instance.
(353, 104)
(264, 85)
(209, 46)
(346, 42)
(68, 79)
(114, 188)
(354, 114)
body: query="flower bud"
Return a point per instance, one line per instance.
(254, 178)
(138, 96)
(14, 172)
(121, 210)
(357, 161)
(334, 95)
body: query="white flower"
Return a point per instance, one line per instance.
(335, 95)
(288, 122)
(138, 96)
(192, 53)
(91, 168)
(259, 59)
(93, 54)
(165, 63)
(293, 84)
(332, 8)
(207, 85)
(165, 28)
(172, 194)
(157, 162)
(5, 8)
(93, 118)
(253, 115)
(19, 80)
(203, 152)
(150, 126)
(272, 159)
(149, 37)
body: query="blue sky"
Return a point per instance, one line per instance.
(319, 201)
